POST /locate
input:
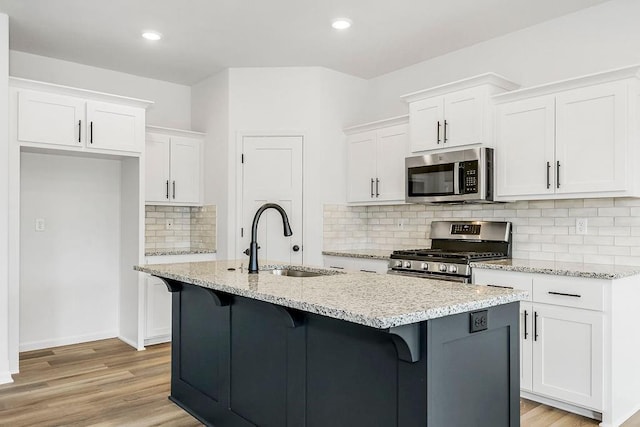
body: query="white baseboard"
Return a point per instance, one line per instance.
(57, 342)
(562, 405)
(132, 343)
(5, 378)
(157, 340)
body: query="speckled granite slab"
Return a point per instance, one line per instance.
(377, 300)
(160, 252)
(361, 253)
(593, 271)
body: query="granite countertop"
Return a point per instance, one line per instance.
(160, 252)
(377, 300)
(593, 271)
(360, 253)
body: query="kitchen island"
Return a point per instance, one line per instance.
(340, 349)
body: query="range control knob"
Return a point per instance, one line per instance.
(443, 268)
(398, 264)
(453, 269)
(425, 265)
(407, 264)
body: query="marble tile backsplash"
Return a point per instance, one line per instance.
(542, 230)
(190, 227)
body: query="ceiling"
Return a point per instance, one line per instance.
(202, 37)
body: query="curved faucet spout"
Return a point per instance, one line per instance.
(253, 246)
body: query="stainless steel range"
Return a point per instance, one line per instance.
(454, 244)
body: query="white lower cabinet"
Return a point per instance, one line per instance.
(157, 319)
(567, 354)
(354, 264)
(561, 342)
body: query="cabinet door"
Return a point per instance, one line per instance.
(392, 148)
(115, 127)
(158, 318)
(464, 117)
(591, 138)
(361, 167)
(185, 170)
(426, 124)
(50, 119)
(525, 138)
(526, 341)
(157, 183)
(568, 354)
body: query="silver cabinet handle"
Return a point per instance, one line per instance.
(558, 174)
(91, 133)
(368, 271)
(526, 334)
(377, 187)
(438, 132)
(167, 189)
(535, 326)
(371, 187)
(79, 130)
(174, 189)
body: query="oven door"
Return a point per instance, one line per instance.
(436, 276)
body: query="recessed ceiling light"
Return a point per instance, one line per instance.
(152, 35)
(341, 23)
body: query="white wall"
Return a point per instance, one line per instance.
(4, 201)
(172, 102)
(70, 273)
(595, 39)
(313, 101)
(210, 114)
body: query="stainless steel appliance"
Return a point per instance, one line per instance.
(464, 176)
(454, 244)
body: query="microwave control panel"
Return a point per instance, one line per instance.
(470, 176)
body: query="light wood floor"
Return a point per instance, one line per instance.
(107, 383)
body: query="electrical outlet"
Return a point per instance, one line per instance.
(40, 224)
(478, 321)
(169, 224)
(581, 225)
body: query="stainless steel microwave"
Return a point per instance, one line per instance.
(463, 176)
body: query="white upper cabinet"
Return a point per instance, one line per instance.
(173, 166)
(115, 127)
(50, 119)
(568, 143)
(62, 118)
(455, 114)
(375, 156)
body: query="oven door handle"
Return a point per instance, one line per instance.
(458, 178)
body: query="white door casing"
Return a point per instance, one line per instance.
(272, 173)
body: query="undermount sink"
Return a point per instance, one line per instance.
(295, 273)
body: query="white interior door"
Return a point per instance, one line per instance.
(272, 173)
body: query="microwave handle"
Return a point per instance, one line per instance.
(458, 180)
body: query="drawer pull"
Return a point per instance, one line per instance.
(564, 295)
(535, 326)
(498, 286)
(337, 268)
(368, 271)
(526, 333)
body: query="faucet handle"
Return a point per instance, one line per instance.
(247, 251)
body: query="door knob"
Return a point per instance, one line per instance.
(296, 248)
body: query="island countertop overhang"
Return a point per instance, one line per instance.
(375, 300)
